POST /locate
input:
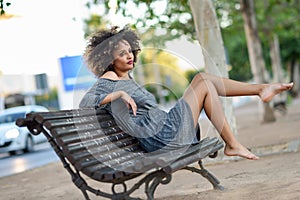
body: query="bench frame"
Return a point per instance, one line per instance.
(152, 178)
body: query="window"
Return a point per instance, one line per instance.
(9, 118)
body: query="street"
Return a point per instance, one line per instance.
(10, 165)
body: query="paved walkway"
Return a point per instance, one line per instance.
(275, 176)
(280, 136)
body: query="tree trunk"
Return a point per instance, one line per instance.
(279, 100)
(255, 54)
(295, 77)
(276, 60)
(210, 38)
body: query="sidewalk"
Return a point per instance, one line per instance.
(271, 138)
(275, 176)
(280, 136)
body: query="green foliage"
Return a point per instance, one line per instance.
(189, 74)
(49, 100)
(237, 52)
(175, 18)
(273, 17)
(234, 39)
(172, 77)
(281, 18)
(290, 49)
(93, 23)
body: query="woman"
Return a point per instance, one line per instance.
(111, 55)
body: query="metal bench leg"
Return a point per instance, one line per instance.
(159, 177)
(151, 181)
(86, 196)
(206, 174)
(210, 177)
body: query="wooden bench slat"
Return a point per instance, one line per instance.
(41, 117)
(97, 167)
(192, 158)
(114, 158)
(71, 141)
(98, 172)
(94, 140)
(100, 149)
(56, 115)
(167, 158)
(32, 116)
(106, 137)
(67, 114)
(103, 121)
(117, 158)
(67, 129)
(107, 174)
(84, 131)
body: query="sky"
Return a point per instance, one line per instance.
(44, 31)
(41, 33)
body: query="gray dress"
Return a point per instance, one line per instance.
(154, 128)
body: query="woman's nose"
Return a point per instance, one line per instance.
(129, 55)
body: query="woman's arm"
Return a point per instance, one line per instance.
(130, 103)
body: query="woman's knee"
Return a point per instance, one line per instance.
(200, 76)
(201, 85)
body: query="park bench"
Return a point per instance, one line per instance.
(90, 143)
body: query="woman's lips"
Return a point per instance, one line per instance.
(130, 62)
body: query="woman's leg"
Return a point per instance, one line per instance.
(228, 87)
(203, 94)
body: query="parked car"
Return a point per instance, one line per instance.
(14, 138)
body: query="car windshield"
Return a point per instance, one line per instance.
(8, 118)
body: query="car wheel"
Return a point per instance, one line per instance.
(29, 147)
(12, 153)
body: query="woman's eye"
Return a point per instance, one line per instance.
(123, 53)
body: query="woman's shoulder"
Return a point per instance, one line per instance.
(110, 75)
(113, 77)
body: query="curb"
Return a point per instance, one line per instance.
(287, 147)
(261, 151)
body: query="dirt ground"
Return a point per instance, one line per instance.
(272, 177)
(275, 176)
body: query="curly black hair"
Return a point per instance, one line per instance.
(98, 54)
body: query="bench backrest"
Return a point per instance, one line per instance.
(92, 142)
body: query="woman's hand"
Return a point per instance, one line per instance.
(130, 103)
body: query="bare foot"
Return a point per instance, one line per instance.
(241, 151)
(272, 89)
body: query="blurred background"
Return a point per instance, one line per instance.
(41, 43)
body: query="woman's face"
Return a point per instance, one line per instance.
(123, 57)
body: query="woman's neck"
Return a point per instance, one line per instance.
(123, 76)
